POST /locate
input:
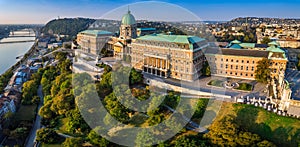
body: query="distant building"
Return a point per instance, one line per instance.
(145, 31)
(289, 43)
(92, 41)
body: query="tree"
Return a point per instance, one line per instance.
(29, 91)
(115, 108)
(97, 140)
(155, 117)
(73, 142)
(35, 99)
(144, 138)
(19, 133)
(187, 141)
(45, 111)
(62, 103)
(226, 132)
(266, 40)
(246, 38)
(76, 123)
(206, 69)
(262, 73)
(46, 135)
(135, 77)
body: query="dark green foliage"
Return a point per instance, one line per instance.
(29, 92)
(144, 139)
(171, 100)
(19, 133)
(245, 86)
(76, 121)
(97, 140)
(227, 133)
(249, 36)
(73, 142)
(262, 73)
(190, 141)
(4, 79)
(135, 77)
(265, 40)
(67, 26)
(46, 135)
(200, 108)
(206, 69)
(115, 108)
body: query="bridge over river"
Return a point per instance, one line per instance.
(20, 36)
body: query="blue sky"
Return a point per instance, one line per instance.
(41, 11)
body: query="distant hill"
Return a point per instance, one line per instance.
(67, 26)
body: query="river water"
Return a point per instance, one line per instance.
(9, 51)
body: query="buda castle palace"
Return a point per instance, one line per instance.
(181, 57)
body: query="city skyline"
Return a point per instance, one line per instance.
(42, 11)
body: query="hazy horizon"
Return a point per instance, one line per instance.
(43, 11)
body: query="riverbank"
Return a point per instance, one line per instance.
(25, 57)
(7, 75)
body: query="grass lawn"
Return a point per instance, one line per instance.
(244, 86)
(283, 131)
(217, 83)
(26, 113)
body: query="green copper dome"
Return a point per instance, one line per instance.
(128, 19)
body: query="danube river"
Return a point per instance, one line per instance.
(9, 51)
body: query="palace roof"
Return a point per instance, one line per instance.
(96, 32)
(234, 52)
(184, 39)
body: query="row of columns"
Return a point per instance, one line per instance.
(155, 62)
(156, 72)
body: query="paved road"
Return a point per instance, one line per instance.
(37, 124)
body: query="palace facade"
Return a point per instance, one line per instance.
(174, 56)
(240, 60)
(92, 41)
